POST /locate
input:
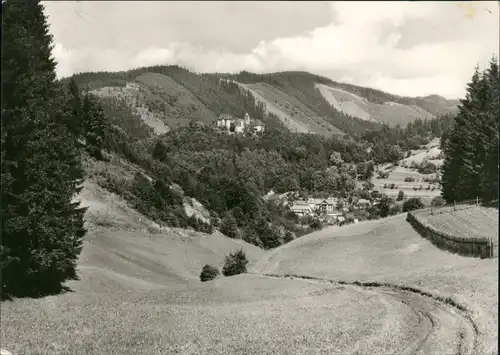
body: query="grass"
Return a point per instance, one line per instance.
(139, 292)
(471, 222)
(179, 105)
(397, 175)
(291, 112)
(390, 251)
(356, 106)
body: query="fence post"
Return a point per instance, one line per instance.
(454, 205)
(477, 200)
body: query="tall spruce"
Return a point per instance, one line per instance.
(470, 167)
(42, 228)
(490, 134)
(75, 104)
(94, 123)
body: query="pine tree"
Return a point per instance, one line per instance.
(471, 146)
(41, 166)
(490, 134)
(456, 180)
(94, 123)
(75, 104)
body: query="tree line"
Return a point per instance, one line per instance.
(470, 167)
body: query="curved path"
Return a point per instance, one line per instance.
(444, 328)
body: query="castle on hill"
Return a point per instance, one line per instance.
(231, 124)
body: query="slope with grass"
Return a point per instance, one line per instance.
(304, 102)
(293, 110)
(160, 101)
(390, 251)
(420, 188)
(467, 222)
(133, 96)
(389, 112)
(138, 292)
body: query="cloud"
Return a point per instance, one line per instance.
(405, 48)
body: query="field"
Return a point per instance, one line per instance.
(390, 251)
(390, 112)
(469, 222)
(139, 292)
(397, 175)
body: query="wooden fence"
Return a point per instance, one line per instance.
(475, 247)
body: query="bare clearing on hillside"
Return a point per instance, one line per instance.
(293, 114)
(133, 94)
(390, 112)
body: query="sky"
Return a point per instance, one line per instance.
(406, 48)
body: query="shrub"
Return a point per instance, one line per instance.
(413, 203)
(393, 186)
(229, 226)
(208, 273)
(438, 201)
(288, 236)
(395, 209)
(235, 263)
(315, 224)
(409, 179)
(426, 167)
(383, 174)
(401, 195)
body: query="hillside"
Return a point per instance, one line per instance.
(168, 96)
(293, 114)
(390, 250)
(346, 105)
(424, 185)
(389, 112)
(132, 272)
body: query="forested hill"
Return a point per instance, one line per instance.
(155, 125)
(170, 96)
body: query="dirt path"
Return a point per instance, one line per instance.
(443, 328)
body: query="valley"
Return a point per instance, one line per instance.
(157, 209)
(134, 272)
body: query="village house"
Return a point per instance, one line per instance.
(231, 124)
(363, 204)
(301, 209)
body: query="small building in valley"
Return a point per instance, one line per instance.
(301, 209)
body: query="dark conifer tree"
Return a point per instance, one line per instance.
(489, 134)
(94, 123)
(42, 228)
(470, 168)
(75, 104)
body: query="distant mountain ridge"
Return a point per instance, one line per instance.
(169, 96)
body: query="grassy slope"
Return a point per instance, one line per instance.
(356, 106)
(293, 109)
(133, 94)
(181, 105)
(465, 222)
(138, 292)
(390, 250)
(271, 107)
(399, 173)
